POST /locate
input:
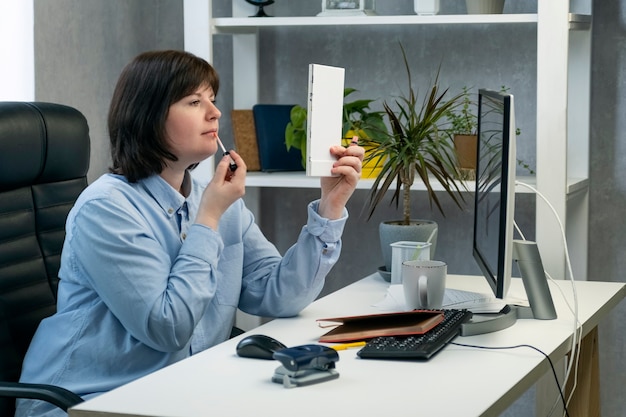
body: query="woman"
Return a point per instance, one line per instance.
(154, 265)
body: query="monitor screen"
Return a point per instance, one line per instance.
(494, 200)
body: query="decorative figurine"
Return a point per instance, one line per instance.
(261, 4)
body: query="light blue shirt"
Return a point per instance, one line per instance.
(142, 286)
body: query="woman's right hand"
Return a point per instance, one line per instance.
(225, 188)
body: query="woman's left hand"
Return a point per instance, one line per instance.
(337, 190)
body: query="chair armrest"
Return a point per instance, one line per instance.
(58, 396)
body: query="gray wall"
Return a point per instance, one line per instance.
(607, 228)
(82, 45)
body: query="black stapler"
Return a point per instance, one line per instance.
(305, 365)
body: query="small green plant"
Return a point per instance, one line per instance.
(358, 119)
(295, 132)
(463, 120)
(462, 117)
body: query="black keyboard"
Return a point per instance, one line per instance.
(422, 346)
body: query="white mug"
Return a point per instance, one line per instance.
(424, 284)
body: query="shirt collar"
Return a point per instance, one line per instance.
(167, 197)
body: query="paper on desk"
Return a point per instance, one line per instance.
(458, 299)
(473, 301)
(393, 300)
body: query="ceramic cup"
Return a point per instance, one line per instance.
(406, 251)
(424, 283)
(484, 6)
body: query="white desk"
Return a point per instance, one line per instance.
(482, 382)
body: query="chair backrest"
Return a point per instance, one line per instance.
(44, 158)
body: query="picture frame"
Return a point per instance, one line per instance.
(347, 8)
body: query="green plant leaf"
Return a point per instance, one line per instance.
(415, 146)
(357, 117)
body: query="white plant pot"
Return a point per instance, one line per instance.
(426, 7)
(484, 6)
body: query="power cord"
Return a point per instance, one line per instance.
(556, 379)
(576, 348)
(577, 335)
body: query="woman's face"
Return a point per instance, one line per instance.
(191, 127)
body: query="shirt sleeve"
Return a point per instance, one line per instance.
(285, 289)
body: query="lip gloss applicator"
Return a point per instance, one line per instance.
(233, 165)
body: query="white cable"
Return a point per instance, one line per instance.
(575, 354)
(519, 231)
(576, 337)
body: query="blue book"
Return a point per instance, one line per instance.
(270, 121)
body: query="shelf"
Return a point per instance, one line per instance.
(300, 180)
(579, 21)
(232, 25)
(250, 24)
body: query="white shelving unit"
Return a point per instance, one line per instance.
(237, 25)
(563, 83)
(563, 97)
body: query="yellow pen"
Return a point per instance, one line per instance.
(348, 345)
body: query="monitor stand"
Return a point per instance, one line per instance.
(541, 306)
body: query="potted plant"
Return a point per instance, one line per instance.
(358, 120)
(295, 131)
(462, 129)
(414, 146)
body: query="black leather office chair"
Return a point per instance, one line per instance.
(44, 157)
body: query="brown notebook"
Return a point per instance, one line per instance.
(353, 328)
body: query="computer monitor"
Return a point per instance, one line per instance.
(493, 247)
(494, 200)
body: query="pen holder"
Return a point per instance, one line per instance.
(406, 251)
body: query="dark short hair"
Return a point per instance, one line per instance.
(146, 89)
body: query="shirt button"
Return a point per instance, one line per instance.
(170, 210)
(184, 236)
